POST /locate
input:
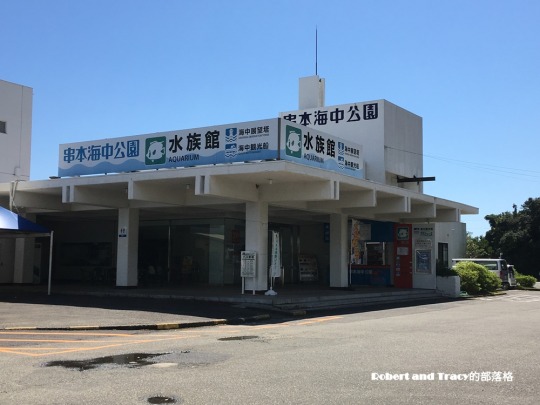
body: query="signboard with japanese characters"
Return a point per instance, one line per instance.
(312, 147)
(243, 142)
(248, 264)
(248, 141)
(329, 117)
(361, 122)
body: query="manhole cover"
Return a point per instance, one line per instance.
(161, 400)
(237, 338)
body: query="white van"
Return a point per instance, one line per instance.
(497, 266)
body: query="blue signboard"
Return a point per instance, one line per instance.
(248, 141)
(312, 147)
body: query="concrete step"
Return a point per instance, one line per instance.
(356, 300)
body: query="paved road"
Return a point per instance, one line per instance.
(369, 357)
(60, 311)
(521, 296)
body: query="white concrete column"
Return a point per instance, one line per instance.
(339, 250)
(257, 240)
(24, 261)
(128, 248)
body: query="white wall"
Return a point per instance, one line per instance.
(391, 142)
(311, 92)
(15, 145)
(455, 234)
(403, 145)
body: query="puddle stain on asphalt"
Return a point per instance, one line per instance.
(226, 339)
(133, 360)
(183, 358)
(161, 400)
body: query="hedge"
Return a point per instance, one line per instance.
(476, 278)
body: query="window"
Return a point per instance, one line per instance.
(3, 127)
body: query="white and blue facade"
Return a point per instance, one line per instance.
(179, 207)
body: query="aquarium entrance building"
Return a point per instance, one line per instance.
(337, 191)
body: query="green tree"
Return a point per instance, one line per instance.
(478, 246)
(516, 235)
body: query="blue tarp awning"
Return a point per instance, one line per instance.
(15, 226)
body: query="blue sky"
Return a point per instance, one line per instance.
(470, 68)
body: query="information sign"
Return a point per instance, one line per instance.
(248, 266)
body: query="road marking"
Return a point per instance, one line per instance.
(297, 323)
(58, 346)
(319, 320)
(61, 342)
(64, 333)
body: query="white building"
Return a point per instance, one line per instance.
(15, 131)
(342, 186)
(15, 148)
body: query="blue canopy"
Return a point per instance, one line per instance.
(15, 226)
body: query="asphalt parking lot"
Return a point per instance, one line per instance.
(86, 311)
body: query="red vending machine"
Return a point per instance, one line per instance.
(403, 256)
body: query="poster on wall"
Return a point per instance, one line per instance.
(423, 261)
(423, 244)
(423, 247)
(365, 231)
(355, 242)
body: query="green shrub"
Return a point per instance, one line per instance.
(476, 278)
(468, 280)
(488, 280)
(524, 280)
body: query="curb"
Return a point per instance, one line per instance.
(290, 312)
(156, 326)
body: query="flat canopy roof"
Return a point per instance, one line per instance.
(292, 191)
